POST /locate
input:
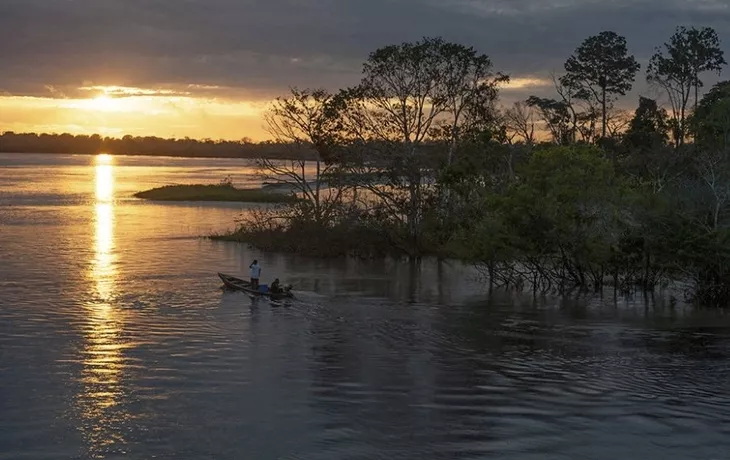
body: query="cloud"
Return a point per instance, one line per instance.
(249, 49)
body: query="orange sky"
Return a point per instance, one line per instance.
(117, 110)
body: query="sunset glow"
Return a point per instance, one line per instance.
(104, 103)
(526, 82)
(117, 111)
(193, 110)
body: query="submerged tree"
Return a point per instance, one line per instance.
(412, 97)
(555, 228)
(677, 67)
(306, 120)
(600, 70)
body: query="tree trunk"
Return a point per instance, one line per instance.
(603, 103)
(413, 211)
(716, 216)
(449, 160)
(697, 88)
(317, 185)
(680, 127)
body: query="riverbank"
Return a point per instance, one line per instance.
(213, 192)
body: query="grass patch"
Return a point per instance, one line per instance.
(276, 231)
(213, 192)
(312, 242)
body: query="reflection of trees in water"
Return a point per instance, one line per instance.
(594, 356)
(431, 281)
(511, 370)
(396, 381)
(363, 385)
(690, 342)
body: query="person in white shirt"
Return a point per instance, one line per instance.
(255, 270)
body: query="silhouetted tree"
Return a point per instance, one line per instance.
(677, 67)
(617, 121)
(556, 117)
(710, 123)
(520, 121)
(412, 96)
(648, 128)
(306, 120)
(600, 69)
(467, 86)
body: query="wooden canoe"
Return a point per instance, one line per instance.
(238, 284)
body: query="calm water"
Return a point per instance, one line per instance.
(117, 342)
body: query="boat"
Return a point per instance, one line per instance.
(238, 284)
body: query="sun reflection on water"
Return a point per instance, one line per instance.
(103, 360)
(104, 177)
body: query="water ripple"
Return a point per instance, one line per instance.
(117, 341)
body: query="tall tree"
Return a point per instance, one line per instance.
(410, 95)
(677, 67)
(467, 85)
(390, 115)
(600, 70)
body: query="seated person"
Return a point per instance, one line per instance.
(275, 287)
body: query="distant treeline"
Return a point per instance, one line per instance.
(11, 142)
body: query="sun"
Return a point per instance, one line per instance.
(104, 103)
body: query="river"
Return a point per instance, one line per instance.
(116, 341)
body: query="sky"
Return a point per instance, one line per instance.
(208, 68)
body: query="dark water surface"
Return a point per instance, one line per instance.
(117, 342)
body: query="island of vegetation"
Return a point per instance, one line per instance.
(549, 194)
(224, 191)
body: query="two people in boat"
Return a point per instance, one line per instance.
(255, 273)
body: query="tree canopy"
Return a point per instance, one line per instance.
(601, 69)
(710, 123)
(676, 69)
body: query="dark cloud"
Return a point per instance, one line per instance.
(256, 48)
